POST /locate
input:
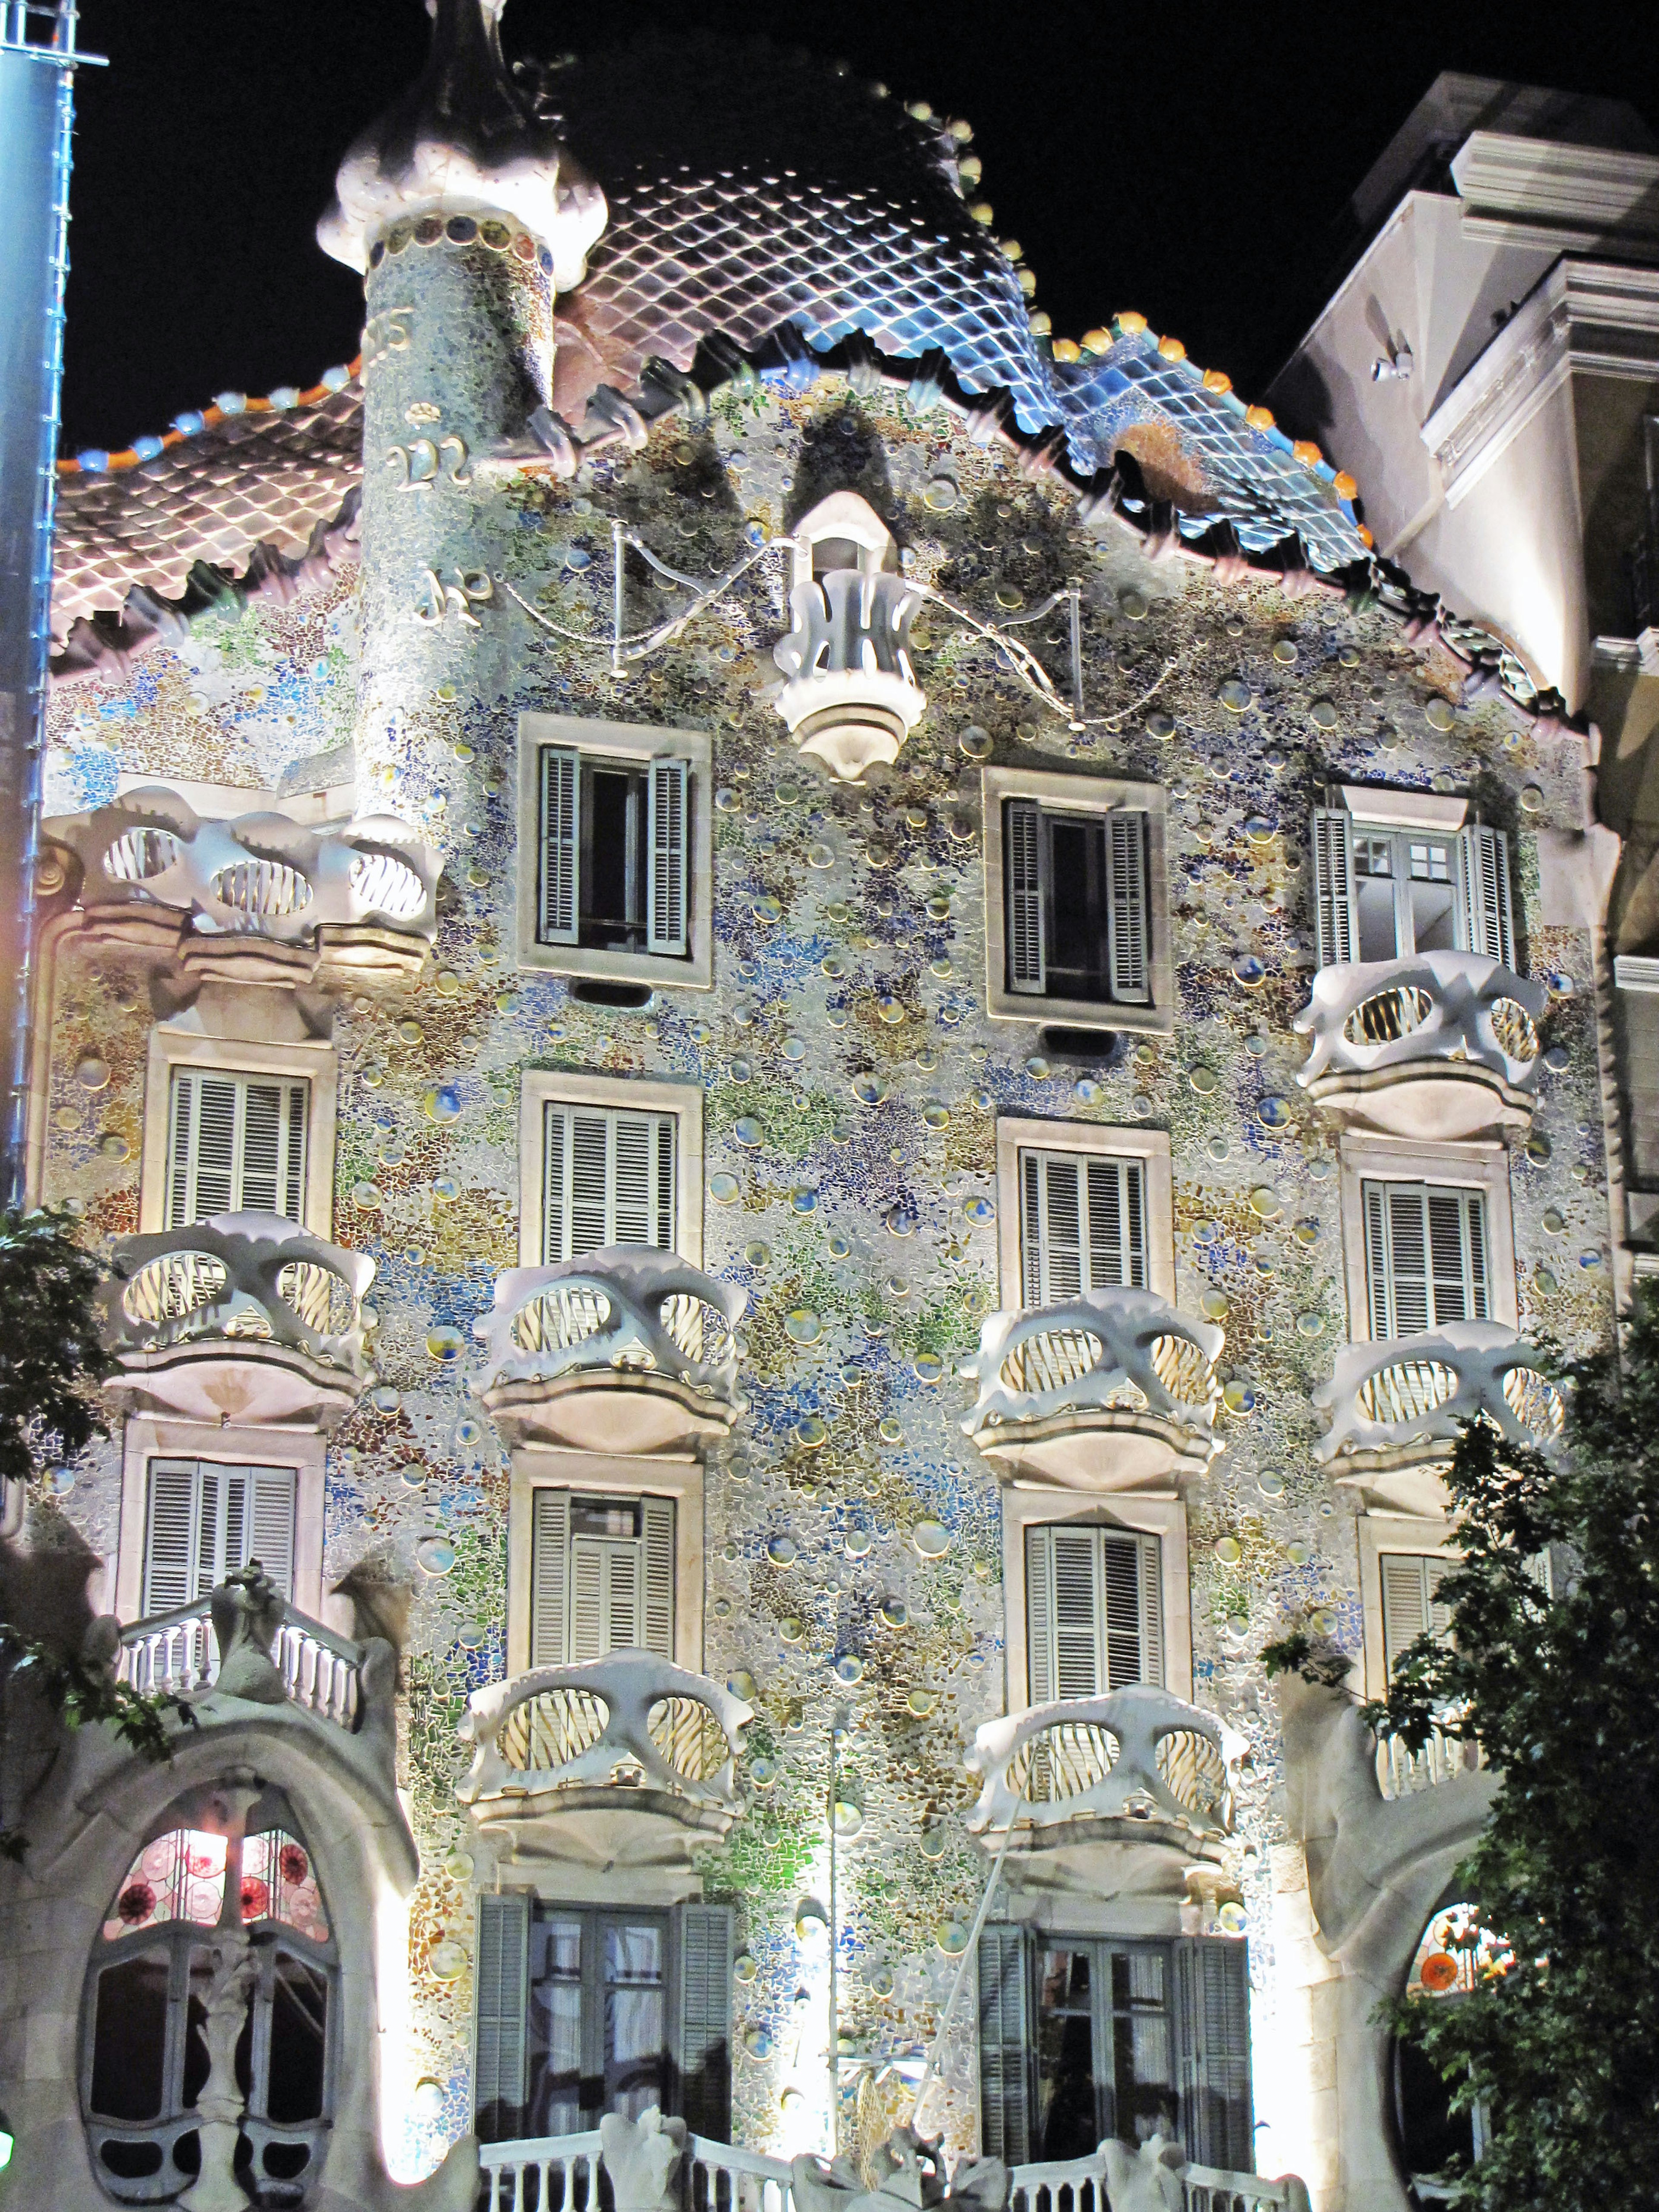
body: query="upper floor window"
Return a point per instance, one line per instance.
(1410, 1601)
(614, 850)
(601, 1576)
(205, 1519)
(235, 1143)
(1094, 1610)
(1386, 888)
(1075, 900)
(608, 1178)
(1426, 1256)
(1083, 1224)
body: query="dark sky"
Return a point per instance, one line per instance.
(1190, 160)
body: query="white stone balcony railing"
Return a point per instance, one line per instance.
(1109, 1391)
(1443, 1044)
(1084, 2185)
(242, 1315)
(1138, 1755)
(261, 876)
(1406, 1398)
(624, 1350)
(606, 1760)
(177, 1655)
(1403, 1772)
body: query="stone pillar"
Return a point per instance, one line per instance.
(458, 351)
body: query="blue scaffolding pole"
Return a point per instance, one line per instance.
(38, 61)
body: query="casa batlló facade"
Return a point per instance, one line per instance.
(819, 1047)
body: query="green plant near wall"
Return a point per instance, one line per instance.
(1557, 2045)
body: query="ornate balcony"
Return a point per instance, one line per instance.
(623, 1763)
(626, 1350)
(1114, 1390)
(852, 697)
(1115, 1795)
(260, 892)
(1397, 1408)
(1153, 2174)
(1443, 1044)
(242, 1317)
(178, 1654)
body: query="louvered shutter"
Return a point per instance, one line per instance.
(587, 1603)
(561, 897)
(550, 1571)
(1117, 1223)
(170, 1537)
(210, 1528)
(203, 1153)
(1062, 1231)
(702, 2054)
(609, 1178)
(1483, 858)
(1454, 1292)
(621, 1598)
(1131, 1582)
(1031, 1229)
(235, 1143)
(1425, 1257)
(500, 1984)
(269, 1522)
(1410, 1602)
(1076, 1612)
(1126, 921)
(1212, 2012)
(263, 1128)
(657, 1576)
(668, 821)
(1024, 888)
(1152, 1610)
(1333, 895)
(589, 1217)
(633, 1138)
(1004, 2044)
(556, 1202)
(1039, 1615)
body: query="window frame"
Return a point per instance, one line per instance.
(593, 1475)
(1397, 815)
(1132, 1513)
(1477, 1164)
(544, 1087)
(636, 746)
(313, 1061)
(1056, 792)
(1088, 1140)
(1379, 1533)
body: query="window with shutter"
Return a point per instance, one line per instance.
(1083, 1223)
(1333, 887)
(1383, 892)
(1410, 1601)
(205, 1519)
(670, 790)
(235, 1144)
(1004, 2044)
(702, 2052)
(601, 1576)
(615, 853)
(1426, 1261)
(1094, 1611)
(1484, 872)
(560, 845)
(500, 1978)
(1213, 1991)
(609, 1178)
(1126, 916)
(1022, 843)
(1077, 904)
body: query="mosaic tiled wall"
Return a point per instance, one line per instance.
(853, 1085)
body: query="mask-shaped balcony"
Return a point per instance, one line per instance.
(626, 1762)
(1115, 1795)
(1439, 1045)
(257, 898)
(625, 1351)
(1397, 1408)
(852, 697)
(1114, 1390)
(242, 1317)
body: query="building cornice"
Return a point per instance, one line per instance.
(1590, 188)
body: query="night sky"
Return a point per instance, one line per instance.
(1193, 162)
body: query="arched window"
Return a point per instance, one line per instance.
(1436, 2143)
(214, 1882)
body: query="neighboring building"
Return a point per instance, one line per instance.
(820, 1046)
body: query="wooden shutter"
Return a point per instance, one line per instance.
(1117, 1223)
(1457, 1255)
(633, 1179)
(1062, 1229)
(170, 1537)
(1083, 1225)
(1126, 918)
(1031, 1229)
(1483, 860)
(1212, 2012)
(204, 1157)
(620, 1584)
(502, 1988)
(235, 1143)
(657, 1576)
(589, 1209)
(1078, 1613)
(268, 1523)
(588, 1640)
(1410, 1602)
(210, 1527)
(668, 826)
(1333, 897)
(560, 899)
(1152, 1609)
(1134, 1604)
(1425, 1257)
(702, 2054)
(1004, 2044)
(608, 1178)
(1024, 888)
(550, 1572)
(1039, 1615)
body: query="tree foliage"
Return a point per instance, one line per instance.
(1561, 2051)
(51, 1351)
